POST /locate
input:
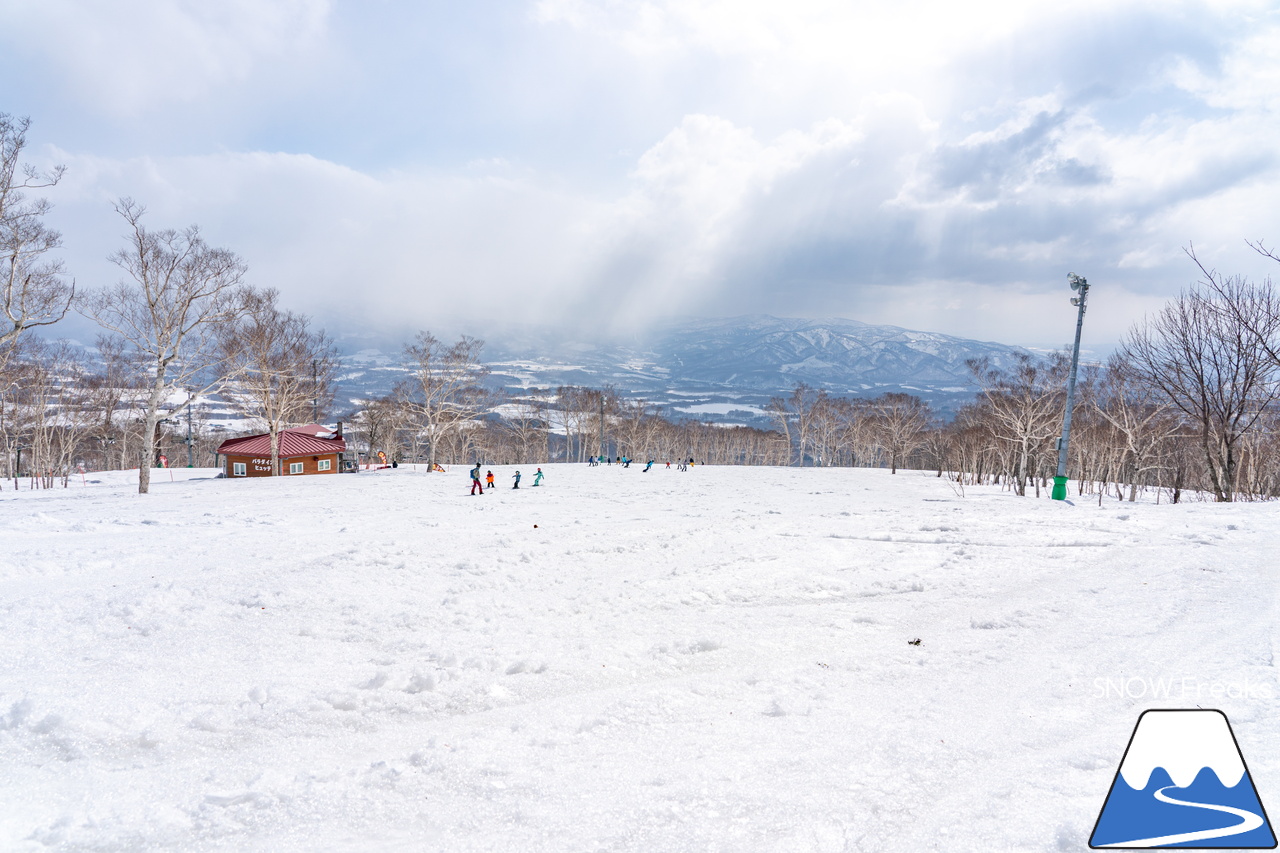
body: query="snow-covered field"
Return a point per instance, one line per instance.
(716, 660)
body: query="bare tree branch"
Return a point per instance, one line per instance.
(170, 313)
(33, 289)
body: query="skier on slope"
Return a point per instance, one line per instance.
(516, 485)
(488, 478)
(475, 480)
(537, 478)
(647, 467)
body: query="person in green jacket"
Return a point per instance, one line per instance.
(537, 478)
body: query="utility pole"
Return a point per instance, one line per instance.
(601, 456)
(1081, 285)
(315, 391)
(191, 459)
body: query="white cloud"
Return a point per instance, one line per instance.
(1249, 75)
(847, 217)
(861, 35)
(672, 236)
(404, 248)
(869, 160)
(129, 56)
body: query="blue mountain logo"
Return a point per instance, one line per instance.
(1183, 784)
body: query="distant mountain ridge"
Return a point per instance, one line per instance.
(724, 369)
(761, 351)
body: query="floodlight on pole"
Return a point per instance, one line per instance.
(1081, 286)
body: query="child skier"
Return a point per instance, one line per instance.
(489, 479)
(517, 481)
(647, 467)
(537, 478)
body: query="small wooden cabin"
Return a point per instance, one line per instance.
(311, 449)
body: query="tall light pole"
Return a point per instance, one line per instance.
(191, 461)
(1081, 285)
(160, 424)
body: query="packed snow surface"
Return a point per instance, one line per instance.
(714, 660)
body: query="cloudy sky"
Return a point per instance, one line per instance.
(603, 164)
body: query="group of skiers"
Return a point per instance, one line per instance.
(477, 485)
(684, 464)
(596, 460)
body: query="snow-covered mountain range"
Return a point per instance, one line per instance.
(721, 370)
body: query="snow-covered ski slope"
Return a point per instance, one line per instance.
(615, 661)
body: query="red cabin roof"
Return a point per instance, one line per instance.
(296, 441)
(313, 429)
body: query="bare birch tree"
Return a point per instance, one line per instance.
(1252, 306)
(825, 428)
(447, 388)
(527, 423)
(281, 369)
(578, 410)
(35, 289)
(795, 415)
(113, 389)
(1142, 417)
(901, 421)
(179, 295)
(635, 428)
(781, 414)
(58, 410)
(380, 421)
(1211, 367)
(1025, 406)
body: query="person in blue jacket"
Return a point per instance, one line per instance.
(516, 485)
(647, 467)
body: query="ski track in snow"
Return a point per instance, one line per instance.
(705, 660)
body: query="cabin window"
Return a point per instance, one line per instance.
(324, 464)
(295, 467)
(238, 469)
